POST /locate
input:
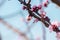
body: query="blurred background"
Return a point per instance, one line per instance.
(11, 11)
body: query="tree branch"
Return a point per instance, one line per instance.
(14, 29)
(45, 21)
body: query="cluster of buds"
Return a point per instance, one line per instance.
(43, 15)
(39, 7)
(36, 8)
(54, 26)
(45, 4)
(47, 19)
(24, 7)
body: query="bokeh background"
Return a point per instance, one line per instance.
(11, 11)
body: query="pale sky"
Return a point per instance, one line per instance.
(14, 9)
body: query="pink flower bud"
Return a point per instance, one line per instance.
(54, 25)
(29, 18)
(46, 3)
(34, 8)
(24, 7)
(38, 38)
(40, 6)
(43, 14)
(46, 18)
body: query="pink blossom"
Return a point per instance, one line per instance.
(24, 7)
(34, 8)
(39, 6)
(50, 28)
(45, 3)
(43, 14)
(29, 18)
(54, 25)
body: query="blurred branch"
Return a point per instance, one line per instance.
(2, 2)
(57, 2)
(14, 29)
(29, 1)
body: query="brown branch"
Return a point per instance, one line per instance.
(40, 19)
(22, 2)
(45, 21)
(29, 1)
(56, 2)
(14, 29)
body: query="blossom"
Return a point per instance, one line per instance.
(34, 8)
(39, 6)
(29, 18)
(43, 14)
(46, 18)
(24, 7)
(46, 3)
(54, 25)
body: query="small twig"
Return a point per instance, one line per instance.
(29, 1)
(22, 2)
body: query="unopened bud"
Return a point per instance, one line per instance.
(29, 18)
